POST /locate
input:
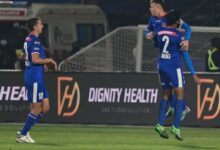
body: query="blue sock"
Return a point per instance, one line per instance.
(184, 105)
(40, 116)
(172, 100)
(162, 114)
(30, 121)
(178, 112)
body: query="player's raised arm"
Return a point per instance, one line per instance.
(189, 65)
(188, 31)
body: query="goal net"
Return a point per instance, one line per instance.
(126, 50)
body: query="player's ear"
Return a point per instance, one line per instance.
(158, 6)
(178, 23)
(35, 27)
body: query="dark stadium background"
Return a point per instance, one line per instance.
(134, 12)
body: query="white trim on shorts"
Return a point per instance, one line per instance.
(180, 78)
(35, 87)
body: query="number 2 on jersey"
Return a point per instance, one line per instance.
(166, 40)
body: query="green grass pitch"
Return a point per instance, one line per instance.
(85, 137)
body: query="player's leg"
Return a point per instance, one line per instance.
(177, 80)
(162, 114)
(178, 113)
(186, 110)
(35, 96)
(163, 104)
(31, 120)
(45, 108)
(171, 104)
(45, 104)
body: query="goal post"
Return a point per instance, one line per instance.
(126, 50)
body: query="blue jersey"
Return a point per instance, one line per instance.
(169, 40)
(155, 23)
(33, 72)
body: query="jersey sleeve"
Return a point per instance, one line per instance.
(150, 26)
(179, 39)
(187, 29)
(188, 62)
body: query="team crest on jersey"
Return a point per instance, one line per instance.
(37, 42)
(164, 24)
(36, 49)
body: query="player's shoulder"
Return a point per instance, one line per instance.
(30, 38)
(178, 32)
(153, 18)
(174, 30)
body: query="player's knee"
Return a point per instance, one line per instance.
(46, 109)
(36, 111)
(36, 108)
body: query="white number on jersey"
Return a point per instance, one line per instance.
(165, 53)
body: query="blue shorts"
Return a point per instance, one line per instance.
(36, 92)
(171, 78)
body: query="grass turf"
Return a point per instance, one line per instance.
(85, 137)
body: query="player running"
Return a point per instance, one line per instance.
(34, 55)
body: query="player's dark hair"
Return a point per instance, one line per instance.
(161, 2)
(32, 22)
(172, 17)
(215, 42)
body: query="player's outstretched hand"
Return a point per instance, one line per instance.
(184, 45)
(54, 63)
(150, 36)
(196, 79)
(46, 68)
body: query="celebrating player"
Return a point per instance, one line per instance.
(157, 20)
(34, 55)
(171, 76)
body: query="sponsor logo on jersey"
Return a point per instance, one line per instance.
(167, 33)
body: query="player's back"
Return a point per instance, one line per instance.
(169, 40)
(33, 72)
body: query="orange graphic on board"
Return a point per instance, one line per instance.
(210, 98)
(69, 96)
